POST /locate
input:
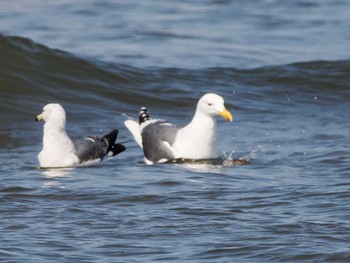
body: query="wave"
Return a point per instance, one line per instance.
(32, 74)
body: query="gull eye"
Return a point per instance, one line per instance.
(209, 104)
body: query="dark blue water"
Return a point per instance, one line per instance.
(284, 71)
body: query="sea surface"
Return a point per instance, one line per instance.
(283, 68)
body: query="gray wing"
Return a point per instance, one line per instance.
(90, 148)
(156, 139)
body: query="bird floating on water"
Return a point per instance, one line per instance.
(162, 141)
(60, 151)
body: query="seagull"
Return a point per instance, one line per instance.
(60, 151)
(162, 141)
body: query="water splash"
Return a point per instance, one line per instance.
(228, 159)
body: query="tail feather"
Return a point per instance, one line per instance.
(144, 115)
(113, 148)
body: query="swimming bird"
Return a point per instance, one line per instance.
(162, 141)
(60, 151)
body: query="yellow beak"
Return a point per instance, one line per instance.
(39, 117)
(226, 115)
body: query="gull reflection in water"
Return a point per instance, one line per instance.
(51, 176)
(57, 172)
(209, 165)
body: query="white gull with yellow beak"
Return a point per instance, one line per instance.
(162, 141)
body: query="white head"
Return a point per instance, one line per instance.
(58, 149)
(212, 104)
(53, 113)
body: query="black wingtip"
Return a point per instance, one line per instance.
(111, 137)
(116, 149)
(144, 115)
